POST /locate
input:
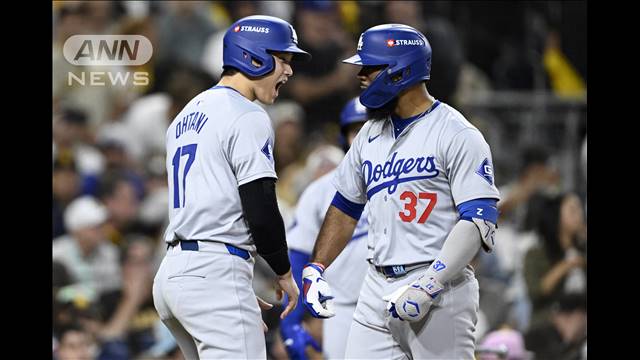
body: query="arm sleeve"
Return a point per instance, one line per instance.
(298, 260)
(469, 167)
(261, 212)
(458, 250)
(249, 147)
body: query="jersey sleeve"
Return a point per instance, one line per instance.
(249, 147)
(303, 231)
(348, 178)
(470, 167)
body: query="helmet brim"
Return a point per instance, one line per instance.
(354, 60)
(298, 54)
(365, 60)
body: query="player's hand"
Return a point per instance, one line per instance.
(316, 293)
(296, 339)
(264, 306)
(412, 302)
(286, 284)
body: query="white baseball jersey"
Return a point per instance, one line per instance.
(414, 182)
(219, 141)
(347, 272)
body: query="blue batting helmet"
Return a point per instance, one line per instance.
(252, 38)
(352, 112)
(406, 53)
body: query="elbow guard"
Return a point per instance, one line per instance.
(484, 214)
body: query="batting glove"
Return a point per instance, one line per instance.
(412, 302)
(296, 339)
(316, 294)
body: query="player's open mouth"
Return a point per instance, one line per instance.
(279, 84)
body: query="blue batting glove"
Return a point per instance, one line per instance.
(296, 339)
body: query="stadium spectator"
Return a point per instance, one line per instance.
(557, 265)
(564, 335)
(91, 260)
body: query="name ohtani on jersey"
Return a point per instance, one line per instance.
(420, 167)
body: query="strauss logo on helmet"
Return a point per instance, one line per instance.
(391, 43)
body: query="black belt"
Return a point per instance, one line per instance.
(395, 271)
(192, 245)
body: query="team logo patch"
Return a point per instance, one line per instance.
(266, 150)
(486, 171)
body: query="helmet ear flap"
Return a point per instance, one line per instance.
(398, 76)
(256, 65)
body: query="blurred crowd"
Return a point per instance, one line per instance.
(110, 183)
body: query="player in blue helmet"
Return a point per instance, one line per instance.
(352, 117)
(347, 271)
(426, 176)
(222, 202)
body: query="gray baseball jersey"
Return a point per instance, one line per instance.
(219, 141)
(414, 182)
(209, 156)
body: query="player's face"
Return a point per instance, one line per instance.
(268, 86)
(368, 73)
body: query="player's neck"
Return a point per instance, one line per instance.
(414, 101)
(240, 83)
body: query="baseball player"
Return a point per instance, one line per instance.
(222, 202)
(426, 175)
(349, 269)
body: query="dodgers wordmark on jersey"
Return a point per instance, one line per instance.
(208, 158)
(346, 273)
(419, 177)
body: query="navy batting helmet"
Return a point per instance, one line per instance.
(406, 53)
(248, 42)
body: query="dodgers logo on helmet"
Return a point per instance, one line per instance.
(294, 35)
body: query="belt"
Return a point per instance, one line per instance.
(396, 271)
(192, 245)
